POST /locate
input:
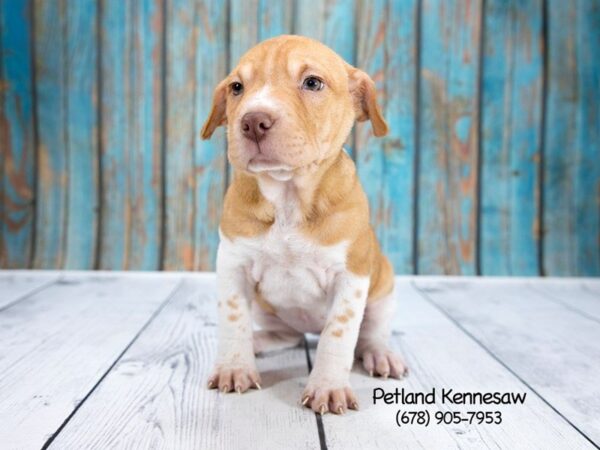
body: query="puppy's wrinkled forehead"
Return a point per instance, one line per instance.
(277, 60)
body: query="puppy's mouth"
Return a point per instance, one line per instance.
(263, 164)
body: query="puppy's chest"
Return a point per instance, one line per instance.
(294, 274)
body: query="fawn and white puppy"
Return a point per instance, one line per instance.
(297, 253)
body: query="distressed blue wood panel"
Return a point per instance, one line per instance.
(339, 28)
(511, 126)
(82, 133)
(387, 52)
(17, 153)
(572, 136)
(131, 160)
(275, 18)
(397, 184)
(195, 169)
(180, 168)
(210, 156)
(332, 22)
(52, 185)
(243, 27)
(447, 220)
(309, 19)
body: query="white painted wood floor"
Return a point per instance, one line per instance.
(92, 360)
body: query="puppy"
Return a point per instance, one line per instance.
(297, 253)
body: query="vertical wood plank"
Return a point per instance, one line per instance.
(275, 18)
(449, 137)
(386, 51)
(131, 160)
(395, 219)
(243, 27)
(82, 138)
(52, 161)
(572, 137)
(17, 153)
(332, 22)
(180, 169)
(309, 21)
(196, 62)
(512, 77)
(339, 28)
(210, 156)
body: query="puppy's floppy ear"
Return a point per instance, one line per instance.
(217, 115)
(364, 95)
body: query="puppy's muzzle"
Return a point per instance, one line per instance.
(256, 125)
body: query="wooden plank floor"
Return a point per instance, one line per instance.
(92, 360)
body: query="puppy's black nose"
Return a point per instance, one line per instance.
(256, 124)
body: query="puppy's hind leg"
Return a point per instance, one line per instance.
(274, 335)
(373, 340)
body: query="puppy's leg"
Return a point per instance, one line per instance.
(235, 368)
(275, 334)
(328, 386)
(372, 346)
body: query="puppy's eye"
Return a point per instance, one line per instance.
(313, 84)
(236, 88)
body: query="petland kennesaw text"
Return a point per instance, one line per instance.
(448, 396)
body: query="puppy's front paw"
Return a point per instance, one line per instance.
(383, 362)
(326, 397)
(234, 376)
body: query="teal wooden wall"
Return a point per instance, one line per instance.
(492, 165)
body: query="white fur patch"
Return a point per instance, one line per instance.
(261, 100)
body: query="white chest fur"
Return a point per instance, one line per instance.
(294, 274)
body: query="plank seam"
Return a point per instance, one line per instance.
(551, 298)
(163, 137)
(114, 363)
(318, 417)
(29, 294)
(543, 123)
(427, 298)
(479, 153)
(417, 139)
(194, 181)
(3, 249)
(64, 234)
(99, 132)
(36, 137)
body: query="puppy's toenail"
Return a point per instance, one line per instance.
(305, 400)
(340, 410)
(225, 389)
(257, 385)
(323, 409)
(384, 375)
(238, 389)
(354, 405)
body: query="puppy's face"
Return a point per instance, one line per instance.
(289, 104)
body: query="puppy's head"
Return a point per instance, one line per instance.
(289, 104)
